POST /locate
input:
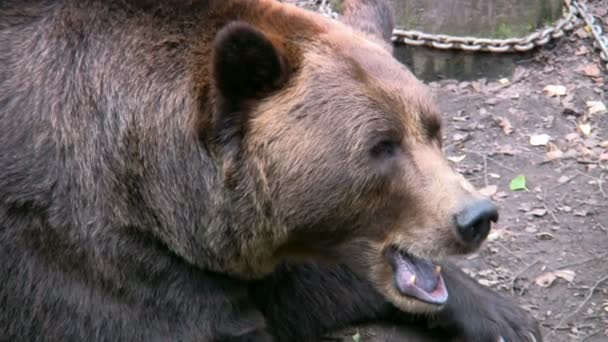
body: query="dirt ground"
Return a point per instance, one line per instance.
(550, 248)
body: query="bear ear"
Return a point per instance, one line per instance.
(246, 65)
(373, 17)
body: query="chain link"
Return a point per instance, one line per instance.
(539, 38)
(568, 22)
(601, 39)
(576, 15)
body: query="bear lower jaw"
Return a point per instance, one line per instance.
(417, 278)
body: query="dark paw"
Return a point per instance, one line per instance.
(492, 318)
(254, 336)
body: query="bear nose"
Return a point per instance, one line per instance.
(474, 221)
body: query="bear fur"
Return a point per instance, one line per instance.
(188, 170)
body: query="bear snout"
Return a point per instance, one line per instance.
(473, 222)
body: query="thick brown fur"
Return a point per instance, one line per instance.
(219, 171)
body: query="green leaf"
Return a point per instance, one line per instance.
(518, 183)
(356, 337)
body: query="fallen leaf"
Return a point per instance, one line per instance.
(539, 140)
(457, 159)
(555, 90)
(496, 234)
(567, 275)
(460, 136)
(596, 107)
(585, 129)
(581, 51)
(507, 150)
(489, 190)
(506, 126)
(581, 33)
(518, 183)
(539, 212)
(553, 155)
(570, 137)
(491, 101)
(544, 236)
(545, 280)
(592, 70)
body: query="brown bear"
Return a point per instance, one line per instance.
(226, 170)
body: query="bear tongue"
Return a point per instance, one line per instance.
(416, 277)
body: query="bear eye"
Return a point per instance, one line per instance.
(385, 148)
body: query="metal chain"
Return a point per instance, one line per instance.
(446, 42)
(601, 39)
(539, 38)
(576, 14)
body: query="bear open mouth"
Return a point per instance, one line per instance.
(418, 278)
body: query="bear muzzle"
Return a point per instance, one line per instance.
(417, 278)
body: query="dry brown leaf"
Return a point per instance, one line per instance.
(545, 280)
(496, 234)
(540, 139)
(457, 159)
(570, 137)
(595, 107)
(592, 70)
(460, 136)
(581, 33)
(554, 154)
(553, 90)
(539, 212)
(507, 150)
(544, 236)
(506, 126)
(581, 51)
(500, 194)
(567, 275)
(489, 190)
(585, 129)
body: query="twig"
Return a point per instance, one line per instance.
(550, 209)
(585, 301)
(564, 183)
(578, 263)
(509, 251)
(485, 170)
(562, 157)
(487, 155)
(599, 182)
(595, 333)
(516, 275)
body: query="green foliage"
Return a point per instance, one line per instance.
(518, 183)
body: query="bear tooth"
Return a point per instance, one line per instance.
(413, 280)
(437, 269)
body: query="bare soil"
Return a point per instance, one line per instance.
(550, 247)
